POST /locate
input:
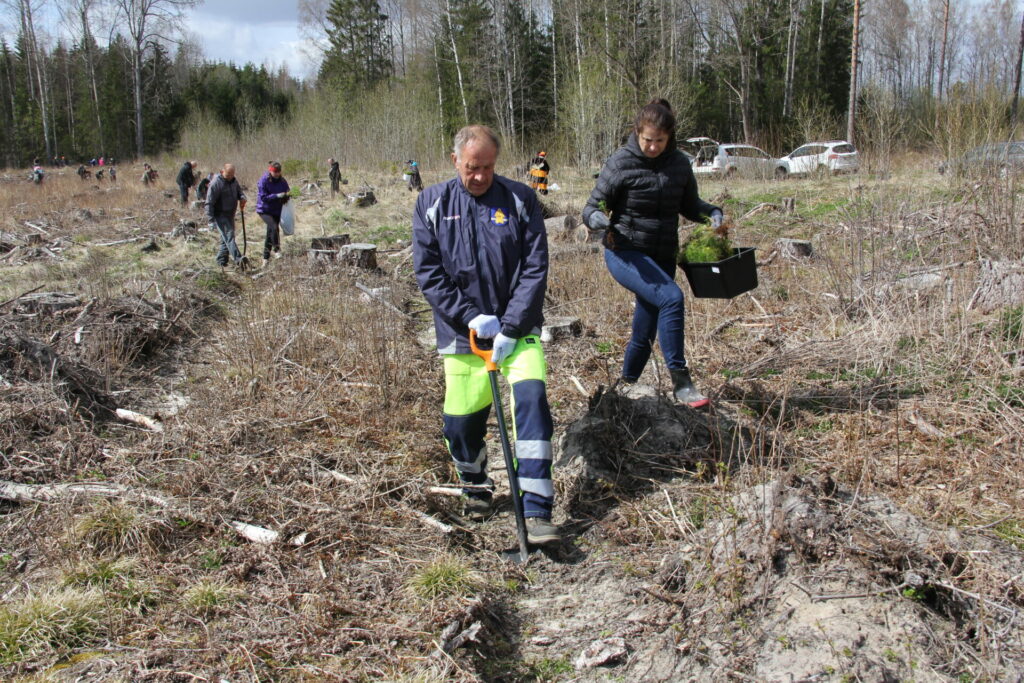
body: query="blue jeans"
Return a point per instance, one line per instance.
(226, 227)
(659, 309)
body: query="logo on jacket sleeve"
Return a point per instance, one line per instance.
(499, 217)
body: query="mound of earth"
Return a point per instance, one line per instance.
(788, 580)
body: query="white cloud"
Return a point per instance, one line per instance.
(272, 42)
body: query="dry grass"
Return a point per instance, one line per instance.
(311, 411)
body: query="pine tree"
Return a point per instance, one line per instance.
(360, 52)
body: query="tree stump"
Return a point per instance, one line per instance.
(794, 249)
(1000, 284)
(561, 227)
(363, 198)
(788, 204)
(361, 255)
(560, 328)
(324, 250)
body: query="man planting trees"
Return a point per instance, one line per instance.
(481, 260)
(186, 179)
(223, 198)
(539, 170)
(335, 175)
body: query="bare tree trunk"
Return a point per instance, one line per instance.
(458, 65)
(42, 82)
(942, 51)
(851, 115)
(1016, 75)
(440, 92)
(817, 54)
(787, 94)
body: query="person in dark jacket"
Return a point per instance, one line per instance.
(186, 179)
(203, 186)
(223, 198)
(641, 191)
(481, 259)
(335, 176)
(271, 195)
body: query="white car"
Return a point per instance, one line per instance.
(837, 156)
(725, 160)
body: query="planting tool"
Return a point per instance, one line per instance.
(522, 555)
(245, 241)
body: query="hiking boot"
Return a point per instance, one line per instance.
(266, 261)
(540, 531)
(277, 254)
(477, 509)
(684, 391)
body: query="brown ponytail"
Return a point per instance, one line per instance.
(657, 113)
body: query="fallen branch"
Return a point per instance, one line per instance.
(9, 301)
(430, 521)
(115, 242)
(138, 418)
(47, 493)
(256, 534)
(373, 295)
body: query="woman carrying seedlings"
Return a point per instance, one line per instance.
(639, 194)
(271, 194)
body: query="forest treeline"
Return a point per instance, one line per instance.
(394, 79)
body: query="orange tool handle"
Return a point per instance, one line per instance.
(485, 354)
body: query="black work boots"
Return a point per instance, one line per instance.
(684, 391)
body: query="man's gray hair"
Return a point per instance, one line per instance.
(475, 133)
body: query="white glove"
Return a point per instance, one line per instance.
(485, 326)
(282, 195)
(716, 219)
(503, 348)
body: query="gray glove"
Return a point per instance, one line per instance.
(716, 219)
(485, 326)
(503, 348)
(599, 221)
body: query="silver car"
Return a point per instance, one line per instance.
(837, 156)
(995, 157)
(727, 160)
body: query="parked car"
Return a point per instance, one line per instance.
(725, 160)
(994, 157)
(837, 156)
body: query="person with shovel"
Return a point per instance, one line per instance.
(185, 180)
(271, 195)
(481, 260)
(636, 203)
(223, 198)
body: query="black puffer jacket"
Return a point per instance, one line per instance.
(646, 197)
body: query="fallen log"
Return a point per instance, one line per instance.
(47, 493)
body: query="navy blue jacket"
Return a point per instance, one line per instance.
(480, 255)
(646, 197)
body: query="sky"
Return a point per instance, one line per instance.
(258, 31)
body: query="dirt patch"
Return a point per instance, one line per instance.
(792, 579)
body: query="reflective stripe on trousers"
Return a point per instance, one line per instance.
(467, 406)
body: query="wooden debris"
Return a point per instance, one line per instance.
(138, 418)
(760, 208)
(560, 327)
(256, 534)
(599, 652)
(1000, 284)
(46, 493)
(793, 249)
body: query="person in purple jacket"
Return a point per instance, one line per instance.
(481, 259)
(271, 194)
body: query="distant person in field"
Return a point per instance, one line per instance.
(186, 180)
(636, 203)
(83, 172)
(99, 174)
(335, 176)
(481, 259)
(271, 196)
(149, 175)
(37, 172)
(539, 170)
(202, 187)
(413, 181)
(224, 197)
(113, 174)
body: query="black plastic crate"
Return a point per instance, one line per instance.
(723, 279)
